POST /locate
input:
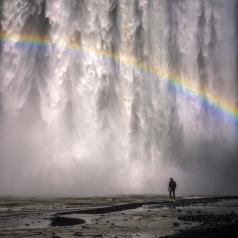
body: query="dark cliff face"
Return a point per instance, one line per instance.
(107, 102)
(38, 25)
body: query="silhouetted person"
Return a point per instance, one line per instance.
(171, 188)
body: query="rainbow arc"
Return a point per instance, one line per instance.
(178, 82)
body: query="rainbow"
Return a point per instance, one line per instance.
(178, 82)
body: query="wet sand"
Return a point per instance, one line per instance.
(119, 216)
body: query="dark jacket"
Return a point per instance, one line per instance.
(172, 185)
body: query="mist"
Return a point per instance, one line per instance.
(95, 97)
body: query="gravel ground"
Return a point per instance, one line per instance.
(119, 216)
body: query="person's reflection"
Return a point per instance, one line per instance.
(172, 207)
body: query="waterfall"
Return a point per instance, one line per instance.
(115, 96)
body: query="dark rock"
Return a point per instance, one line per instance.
(187, 223)
(176, 224)
(78, 234)
(212, 225)
(65, 221)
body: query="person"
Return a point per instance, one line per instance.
(171, 188)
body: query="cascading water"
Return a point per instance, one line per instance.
(116, 96)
